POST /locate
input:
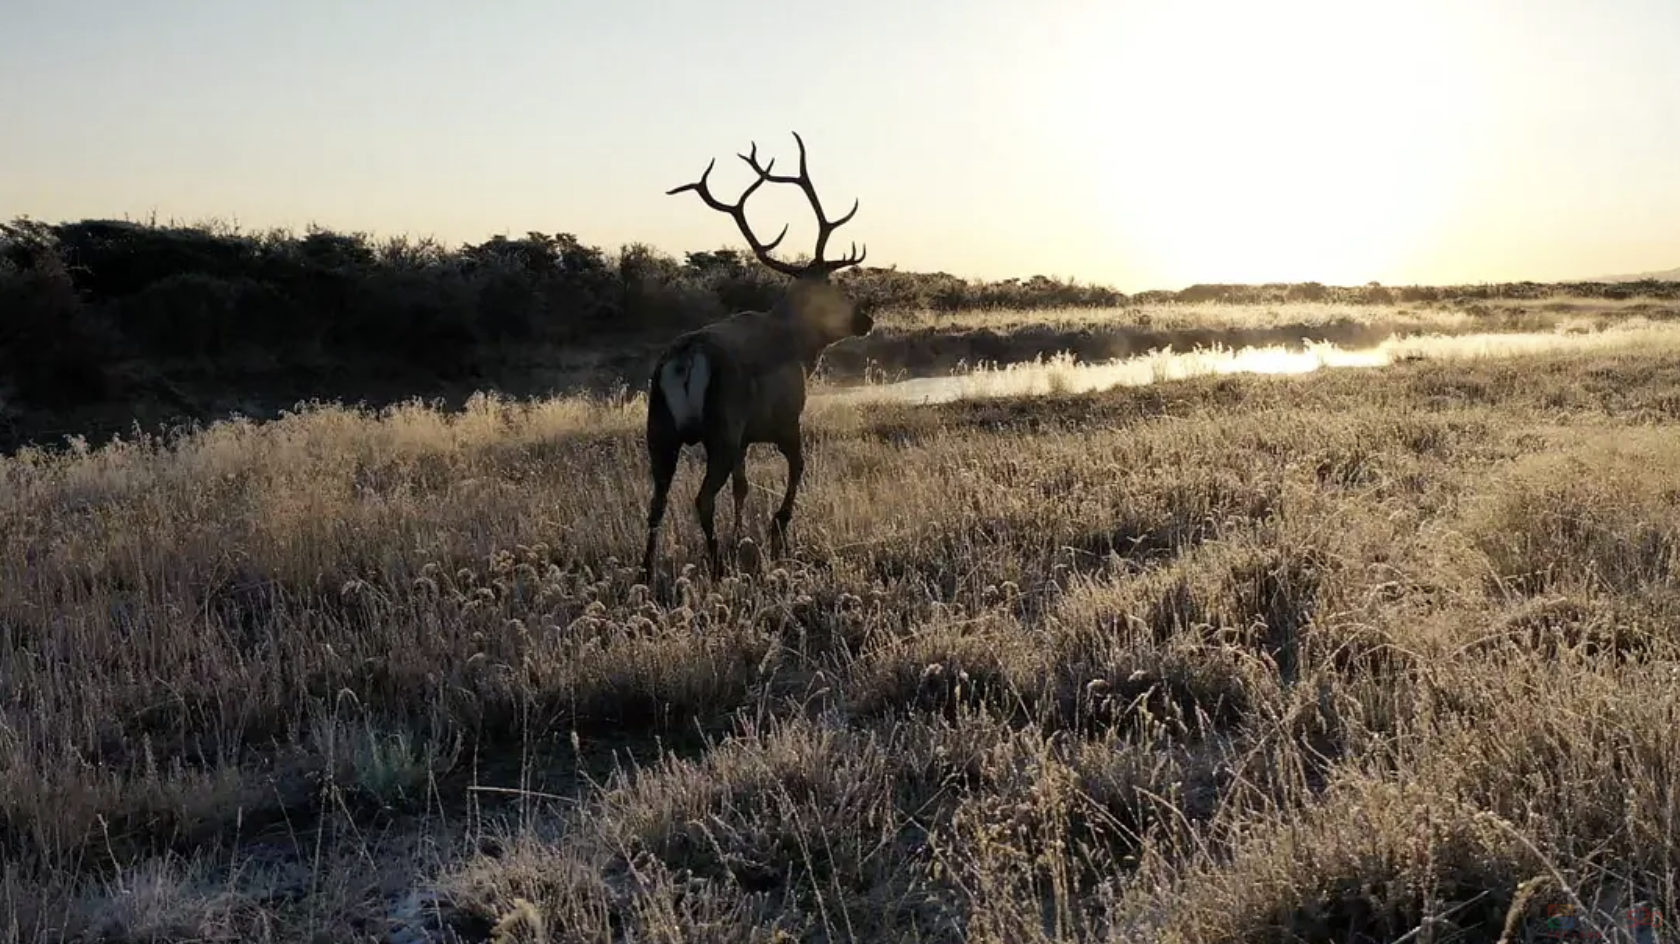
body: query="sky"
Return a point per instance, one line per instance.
(1134, 144)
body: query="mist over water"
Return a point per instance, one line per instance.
(1061, 373)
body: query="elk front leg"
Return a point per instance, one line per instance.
(739, 480)
(794, 453)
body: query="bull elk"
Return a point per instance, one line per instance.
(741, 380)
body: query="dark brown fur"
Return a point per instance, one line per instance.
(758, 364)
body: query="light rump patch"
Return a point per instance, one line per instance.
(684, 380)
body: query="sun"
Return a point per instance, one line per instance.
(1293, 141)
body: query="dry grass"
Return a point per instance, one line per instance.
(1340, 657)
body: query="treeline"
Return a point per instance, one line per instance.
(78, 297)
(126, 318)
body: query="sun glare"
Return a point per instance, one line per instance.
(1299, 140)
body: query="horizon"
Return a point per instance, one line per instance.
(1285, 145)
(233, 229)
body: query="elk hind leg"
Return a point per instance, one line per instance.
(663, 453)
(720, 464)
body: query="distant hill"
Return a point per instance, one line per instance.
(1667, 275)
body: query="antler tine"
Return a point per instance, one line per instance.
(699, 186)
(772, 244)
(854, 257)
(752, 161)
(801, 142)
(842, 221)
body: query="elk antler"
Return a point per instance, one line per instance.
(825, 228)
(818, 266)
(738, 211)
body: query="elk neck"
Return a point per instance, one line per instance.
(809, 343)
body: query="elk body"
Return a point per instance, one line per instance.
(741, 380)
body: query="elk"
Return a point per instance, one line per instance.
(741, 380)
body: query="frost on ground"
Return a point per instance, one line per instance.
(1346, 655)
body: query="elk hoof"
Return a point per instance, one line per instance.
(747, 553)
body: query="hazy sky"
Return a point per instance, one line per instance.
(1144, 145)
